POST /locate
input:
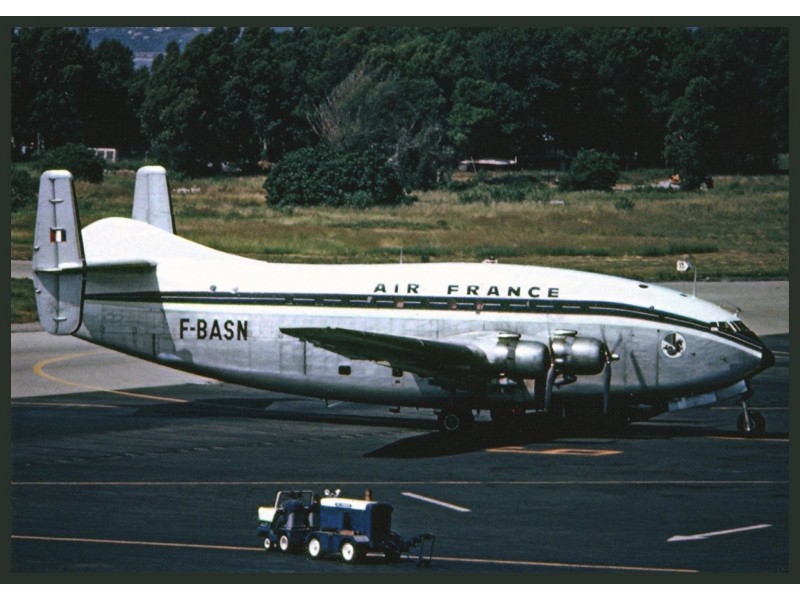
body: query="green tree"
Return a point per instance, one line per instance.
(325, 176)
(591, 170)
(401, 119)
(692, 133)
(23, 189)
(486, 117)
(192, 125)
(114, 122)
(52, 80)
(79, 160)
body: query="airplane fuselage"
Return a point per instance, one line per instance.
(219, 315)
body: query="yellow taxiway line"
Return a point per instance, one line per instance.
(39, 367)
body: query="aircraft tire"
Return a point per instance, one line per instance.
(455, 421)
(758, 421)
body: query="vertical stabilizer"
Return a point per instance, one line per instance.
(58, 263)
(151, 201)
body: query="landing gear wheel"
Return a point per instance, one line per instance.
(267, 543)
(756, 426)
(283, 543)
(348, 551)
(314, 548)
(455, 421)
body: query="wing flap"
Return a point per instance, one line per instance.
(417, 355)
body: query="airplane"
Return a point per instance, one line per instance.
(458, 338)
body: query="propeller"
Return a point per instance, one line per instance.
(553, 372)
(548, 386)
(610, 357)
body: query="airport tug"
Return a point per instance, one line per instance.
(330, 525)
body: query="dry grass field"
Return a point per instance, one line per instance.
(738, 229)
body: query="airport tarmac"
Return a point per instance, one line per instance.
(123, 467)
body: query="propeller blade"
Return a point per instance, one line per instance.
(548, 387)
(606, 386)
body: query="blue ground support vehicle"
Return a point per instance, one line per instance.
(330, 525)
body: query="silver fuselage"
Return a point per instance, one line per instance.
(219, 315)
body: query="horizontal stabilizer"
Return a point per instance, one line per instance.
(151, 200)
(134, 265)
(58, 260)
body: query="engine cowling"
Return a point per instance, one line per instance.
(518, 359)
(578, 355)
(530, 360)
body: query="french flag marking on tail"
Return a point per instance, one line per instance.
(58, 234)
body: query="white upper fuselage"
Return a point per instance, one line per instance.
(184, 265)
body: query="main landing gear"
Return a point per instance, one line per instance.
(455, 421)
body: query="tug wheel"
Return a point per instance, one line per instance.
(283, 543)
(267, 543)
(348, 551)
(314, 548)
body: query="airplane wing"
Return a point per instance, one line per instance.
(425, 357)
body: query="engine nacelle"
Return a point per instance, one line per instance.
(521, 360)
(530, 360)
(578, 355)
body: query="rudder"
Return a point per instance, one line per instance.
(58, 259)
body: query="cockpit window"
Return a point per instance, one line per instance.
(731, 327)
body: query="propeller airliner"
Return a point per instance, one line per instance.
(453, 337)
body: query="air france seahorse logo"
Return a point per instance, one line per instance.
(673, 345)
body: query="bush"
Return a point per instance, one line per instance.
(79, 160)
(591, 170)
(624, 203)
(23, 189)
(322, 176)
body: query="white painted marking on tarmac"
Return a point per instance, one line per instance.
(437, 502)
(705, 536)
(452, 559)
(746, 439)
(536, 563)
(759, 408)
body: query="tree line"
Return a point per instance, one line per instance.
(420, 98)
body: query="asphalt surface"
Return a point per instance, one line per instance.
(123, 467)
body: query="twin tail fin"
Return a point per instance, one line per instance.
(59, 262)
(58, 259)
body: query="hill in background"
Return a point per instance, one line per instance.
(146, 42)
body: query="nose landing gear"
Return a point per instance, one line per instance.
(751, 422)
